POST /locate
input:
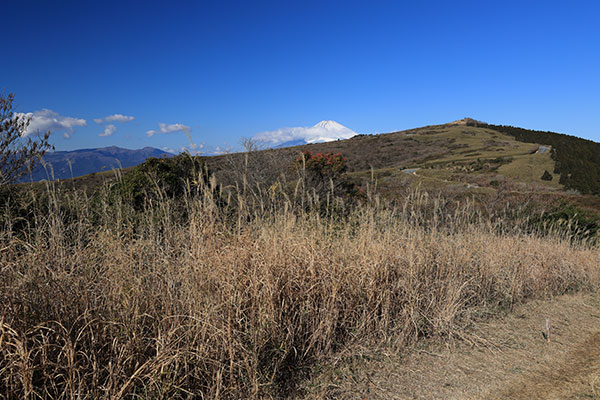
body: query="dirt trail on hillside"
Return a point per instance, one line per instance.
(505, 358)
(575, 376)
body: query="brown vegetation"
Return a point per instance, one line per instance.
(205, 297)
(499, 358)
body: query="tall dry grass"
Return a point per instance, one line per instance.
(100, 301)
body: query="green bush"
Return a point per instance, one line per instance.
(570, 220)
(547, 176)
(164, 177)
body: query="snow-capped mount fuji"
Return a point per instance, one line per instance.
(324, 131)
(334, 131)
(330, 125)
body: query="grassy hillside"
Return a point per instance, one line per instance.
(467, 157)
(457, 155)
(576, 160)
(463, 160)
(169, 283)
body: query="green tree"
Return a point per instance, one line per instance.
(547, 176)
(18, 152)
(171, 177)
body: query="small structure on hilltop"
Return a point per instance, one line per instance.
(466, 121)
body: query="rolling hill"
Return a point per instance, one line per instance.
(470, 154)
(464, 156)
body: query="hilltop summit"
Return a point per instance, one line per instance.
(465, 121)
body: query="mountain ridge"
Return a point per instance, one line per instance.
(79, 162)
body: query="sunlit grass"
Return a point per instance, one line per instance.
(201, 297)
(530, 168)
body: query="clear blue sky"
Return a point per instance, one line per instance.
(234, 69)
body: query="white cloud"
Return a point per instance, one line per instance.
(114, 118)
(48, 120)
(169, 150)
(222, 150)
(164, 128)
(108, 130)
(192, 148)
(324, 131)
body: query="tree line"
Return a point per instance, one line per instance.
(577, 160)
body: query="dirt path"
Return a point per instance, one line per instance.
(575, 376)
(505, 358)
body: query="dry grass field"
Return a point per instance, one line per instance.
(195, 298)
(504, 357)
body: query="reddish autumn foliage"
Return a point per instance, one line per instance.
(323, 174)
(328, 165)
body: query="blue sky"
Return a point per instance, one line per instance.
(229, 70)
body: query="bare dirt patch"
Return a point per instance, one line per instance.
(503, 358)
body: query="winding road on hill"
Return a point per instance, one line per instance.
(411, 171)
(542, 149)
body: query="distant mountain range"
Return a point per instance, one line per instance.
(70, 164)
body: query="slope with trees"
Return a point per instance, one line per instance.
(577, 160)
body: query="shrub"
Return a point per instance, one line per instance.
(322, 175)
(547, 176)
(323, 165)
(570, 221)
(158, 177)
